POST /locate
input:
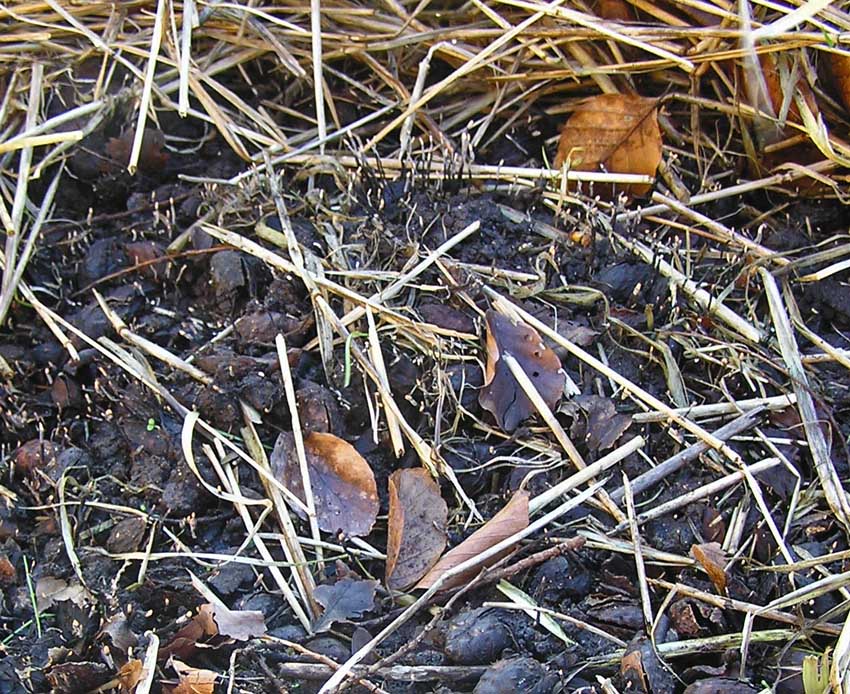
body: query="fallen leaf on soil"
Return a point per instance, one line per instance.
(152, 157)
(510, 520)
(684, 620)
(129, 675)
(713, 526)
(631, 669)
(185, 641)
(68, 678)
(344, 600)
(416, 526)
(35, 455)
(126, 536)
(839, 68)
(617, 133)
(501, 395)
(240, 625)
(711, 558)
(601, 425)
(343, 484)
(8, 575)
(49, 591)
(193, 680)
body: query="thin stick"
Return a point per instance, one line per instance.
(318, 78)
(298, 436)
(640, 568)
(650, 478)
(147, 87)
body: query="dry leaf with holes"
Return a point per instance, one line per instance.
(510, 520)
(343, 484)
(416, 527)
(711, 557)
(616, 133)
(501, 395)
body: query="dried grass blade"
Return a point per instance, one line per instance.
(836, 497)
(147, 87)
(298, 436)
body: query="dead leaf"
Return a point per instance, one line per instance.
(343, 484)
(839, 68)
(129, 675)
(602, 425)
(416, 526)
(631, 669)
(240, 625)
(126, 536)
(152, 157)
(344, 600)
(617, 133)
(185, 641)
(510, 520)
(8, 575)
(501, 395)
(67, 678)
(193, 680)
(35, 455)
(684, 620)
(49, 590)
(711, 557)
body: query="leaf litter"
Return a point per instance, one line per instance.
(746, 194)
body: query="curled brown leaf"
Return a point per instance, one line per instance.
(416, 526)
(617, 133)
(501, 395)
(509, 521)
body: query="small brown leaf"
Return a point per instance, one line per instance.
(501, 395)
(129, 675)
(193, 680)
(603, 425)
(152, 157)
(416, 527)
(126, 536)
(710, 556)
(8, 575)
(839, 68)
(617, 133)
(631, 669)
(344, 600)
(343, 484)
(510, 520)
(185, 641)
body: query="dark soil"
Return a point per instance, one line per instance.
(87, 439)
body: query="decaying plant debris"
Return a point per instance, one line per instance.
(544, 302)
